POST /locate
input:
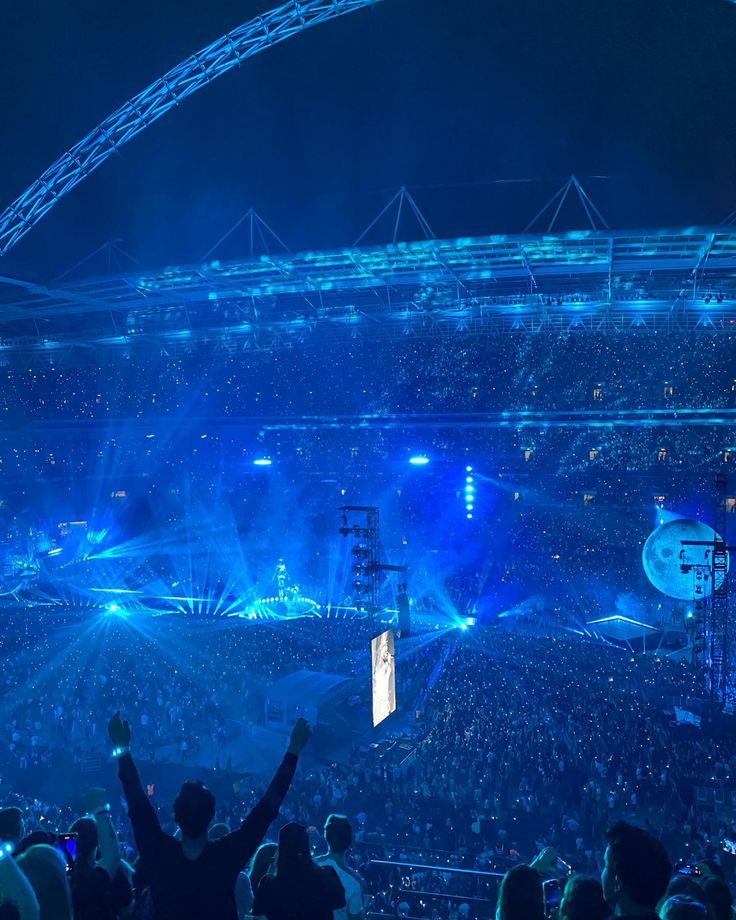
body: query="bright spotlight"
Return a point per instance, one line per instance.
(262, 461)
(468, 469)
(469, 516)
(114, 610)
(420, 460)
(468, 479)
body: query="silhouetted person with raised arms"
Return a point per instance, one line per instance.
(195, 878)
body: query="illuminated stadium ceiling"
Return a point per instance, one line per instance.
(594, 281)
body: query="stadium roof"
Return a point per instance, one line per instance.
(595, 281)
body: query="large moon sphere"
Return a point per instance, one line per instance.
(664, 555)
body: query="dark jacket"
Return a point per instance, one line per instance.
(314, 895)
(96, 896)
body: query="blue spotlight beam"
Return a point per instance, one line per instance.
(195, 72)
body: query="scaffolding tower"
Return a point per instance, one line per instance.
(719, 661)
(719, 656)
(365, 568)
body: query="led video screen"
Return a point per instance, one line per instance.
(384, 676)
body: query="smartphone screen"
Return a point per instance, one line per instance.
(552, 895)
(66, 844)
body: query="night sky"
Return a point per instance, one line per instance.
(319, 132)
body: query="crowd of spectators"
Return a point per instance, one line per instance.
(515, 737)
(516, 746)
(175, 679)
(87, 419)
(463, 373)
(130, 460)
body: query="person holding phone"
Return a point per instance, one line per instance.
(194, 878)
(101, 888)
(521, 895)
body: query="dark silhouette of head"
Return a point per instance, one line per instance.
(294, 856)
(194, 809)
(710, 867)
(583, 899)
(521, 896)
(87, 840)
(637, 869)
(682, 907)
(11, 825)
(717, 897)
(338, 833)
(682, 884)
(34, 838)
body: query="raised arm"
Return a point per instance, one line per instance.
(15, 887)
(108, 843)
(242, 844)
(146, 827)
(96, 805)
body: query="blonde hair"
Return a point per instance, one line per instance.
(45, 869)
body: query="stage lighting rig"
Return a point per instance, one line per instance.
(366, 588)
(718, 646)
(366, 567)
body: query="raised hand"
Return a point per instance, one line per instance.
(118, 731)
(300, 734)
(545, 861)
